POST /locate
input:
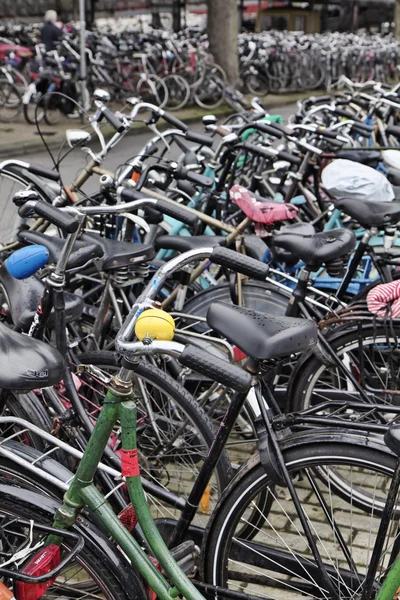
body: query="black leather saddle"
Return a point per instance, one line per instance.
(392, 439)
(254, 246)
(82, 253)
(368, 213)
(23, 297)
(120, 254)
(90, 245)
(284, 256)
(371, 158)
(319, 248)
(26, 363)
(260, 335)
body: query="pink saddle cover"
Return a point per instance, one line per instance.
(262, 213)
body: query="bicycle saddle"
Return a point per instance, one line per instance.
(82, 253)
(26, 363)
(283, 256)
(115, 254)
(23, 297)
(319, 248)
(119, 254)
(369, 213)
(392, 439)
(254, 246)
(370, 157)
(260, 335)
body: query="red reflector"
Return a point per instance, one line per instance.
(238, 354)
(41, 563)
(128, 517)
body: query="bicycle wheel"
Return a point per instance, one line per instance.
(152, 89)
(255, 83)
(174, 434)
(371, 355)
(10, 102)
(255, 541)
(31, 115)
(178, 92)
(52, 111)
(209, 93)
(12, 180)
(87, 576)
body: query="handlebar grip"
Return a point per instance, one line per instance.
(268, 129)
(294, 160)
(176, 212)
(362, 128)
(113, 120)
(330, 135)
(199, 138)
(393, 130)
(345, 113)
(42, 172)
(222, 131)
(199, 179)
(318, 100)
(361, 103)
(129, 195)
(173, 121)
(239, 263)
(269, 153)
(56, 216)
(216, 368)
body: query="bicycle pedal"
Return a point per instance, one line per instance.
(187, 556)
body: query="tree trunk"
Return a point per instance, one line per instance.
(223, 33)
(397, 19)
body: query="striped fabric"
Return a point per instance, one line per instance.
(384, 300)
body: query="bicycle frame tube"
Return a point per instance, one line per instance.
(119, 405)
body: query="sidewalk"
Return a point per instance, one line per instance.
(17, 139)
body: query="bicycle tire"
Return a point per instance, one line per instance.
(12, 180)
(209, 92)
(10, 102)
(152, 89)
(239, 539)
(103, 577)
(178, 92)
(188, 407)
(30, 114)
(256, 84)
(304, 389)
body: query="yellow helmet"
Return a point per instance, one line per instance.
(155, 324)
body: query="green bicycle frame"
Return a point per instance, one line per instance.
(119, 405)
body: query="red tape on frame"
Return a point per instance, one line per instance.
(130, 463)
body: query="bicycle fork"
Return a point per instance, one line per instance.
(119, 405)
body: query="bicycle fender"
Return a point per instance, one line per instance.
(114, 559)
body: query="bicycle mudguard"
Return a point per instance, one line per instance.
(109, 554)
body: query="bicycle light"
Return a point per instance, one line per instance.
(155, 324)
(41, 563)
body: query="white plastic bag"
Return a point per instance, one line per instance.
(348, 179)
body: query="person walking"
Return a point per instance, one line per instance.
(51, 34)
